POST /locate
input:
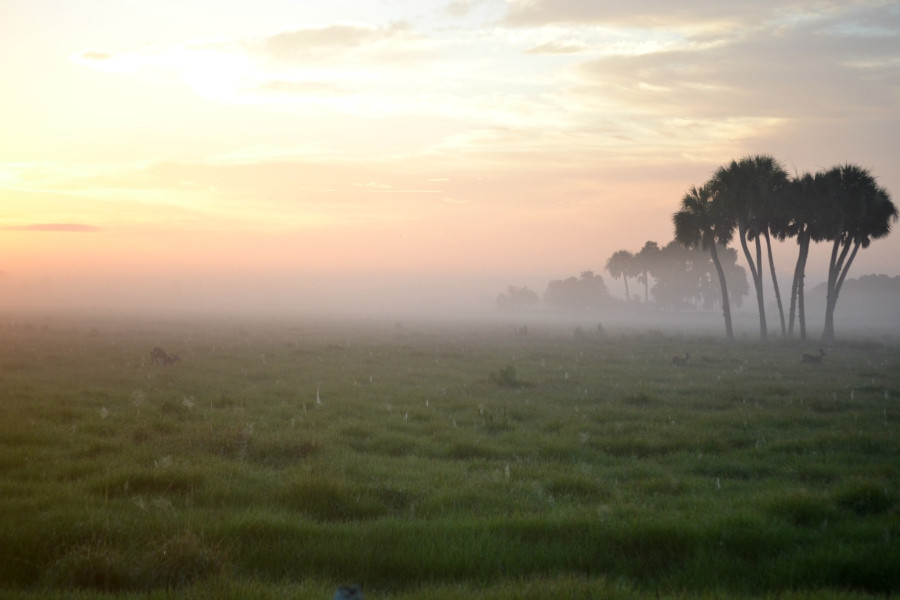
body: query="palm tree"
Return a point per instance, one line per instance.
(751, 188)
(645, 263)
(798, 216)
(702, 222)
(859, 210)
(621, 264)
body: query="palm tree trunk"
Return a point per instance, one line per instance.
(797, 310)
(795, 288)
(726, 304)
(840, 272)
(801, 282)
(835, 267)
(627, 296)
(757, 280)
(840, 282)
(775, 283)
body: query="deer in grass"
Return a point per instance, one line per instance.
(348, 592)
(681, 361)
(163, 358)
(813, 359)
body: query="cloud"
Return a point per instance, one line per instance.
(658, 13)
(791, 72)
(458, 8)
(56, 227)
(559, 47)
(328, 41)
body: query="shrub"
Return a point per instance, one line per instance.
(505, 377)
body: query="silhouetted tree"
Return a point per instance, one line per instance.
(677, 284)
(688, 275)
(582, 293)
(858, 210)
(517, 297)
(800, 215)
(645, 263)
(750, 188)
(703, 223)
(621, 264)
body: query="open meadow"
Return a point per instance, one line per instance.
(281, 459)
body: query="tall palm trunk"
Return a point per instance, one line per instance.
(757, 279)
(797, 302)
(775, 283)
(837, 273)
(726, 303)
(795, 288)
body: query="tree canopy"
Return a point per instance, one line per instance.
(755, 196)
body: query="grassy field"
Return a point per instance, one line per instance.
(281, 459)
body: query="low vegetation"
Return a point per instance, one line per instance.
(282, 460)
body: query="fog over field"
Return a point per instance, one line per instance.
(412, 158)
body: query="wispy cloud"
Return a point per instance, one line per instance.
(323, 42)
(663, 13)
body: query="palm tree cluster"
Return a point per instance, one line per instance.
(625, 264)
(756, 198)
(683, 277)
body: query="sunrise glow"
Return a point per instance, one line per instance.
(448, 148)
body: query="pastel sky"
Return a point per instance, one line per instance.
(333, 153)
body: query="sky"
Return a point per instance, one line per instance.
(295, 154)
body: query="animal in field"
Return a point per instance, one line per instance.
(348, 592)
(163, 358)
(813, 359)
(682, 361)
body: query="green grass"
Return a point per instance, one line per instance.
(279, 460)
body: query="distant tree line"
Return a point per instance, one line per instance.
(586, 292)
(682, 278)
(756, 198)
